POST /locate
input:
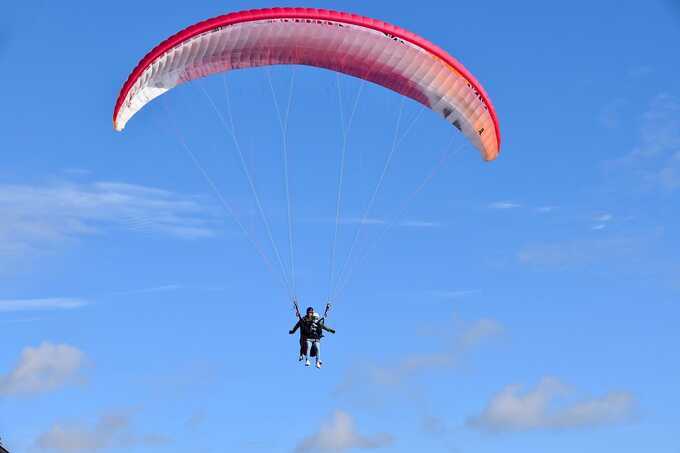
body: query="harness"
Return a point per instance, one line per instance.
(306, 327)
(299, 316)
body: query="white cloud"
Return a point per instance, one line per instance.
(640, 71)
(469, 337)
(582, 251)
(77, 171)
(546, 209)
(669, 175)
(434, 425)
(510, 410)
(661, 127)
(479, 331)
(44, 368)
(150, 290)
(504, 205)
(13, 305)
(196, 419)
(602, 220)
(374, 378)
(655, 161)
(340, 434)
(38, 217)
(415, 223)
(606, 217)
(18, 321)
(110, 431)
(420, 224)
(611, 113)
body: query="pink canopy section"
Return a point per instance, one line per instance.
(347, 43)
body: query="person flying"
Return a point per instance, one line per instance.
(311, 331)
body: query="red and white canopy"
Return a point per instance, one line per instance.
(355, 45)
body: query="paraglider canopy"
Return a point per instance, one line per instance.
(355, 45)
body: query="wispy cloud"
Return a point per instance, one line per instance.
(108, 432)
(669, 175)
(478, 332)
(611, 114)
(347, 220)
(39, 217)
(18, 321)
(13, 305)
(470, 336)
(605, 217)
(433, 425)
(45, 368)
(196, 419)
(582, 251)
(420, 224)
(77, 171)
(510, 410)
(510, 205)
(71, 303)
(377, 378)
(504, 205)
(149, 290)
(640, 71)
(655, 161)
(414, 223)
(162, 289)
(602, 221)
(340, 434)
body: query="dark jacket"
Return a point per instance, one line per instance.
(309, 328)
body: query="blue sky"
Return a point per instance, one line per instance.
(529, 304)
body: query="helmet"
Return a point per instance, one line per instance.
(310, 309)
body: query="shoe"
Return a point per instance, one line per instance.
(319, 363)
(307, 363)
(300, 358)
